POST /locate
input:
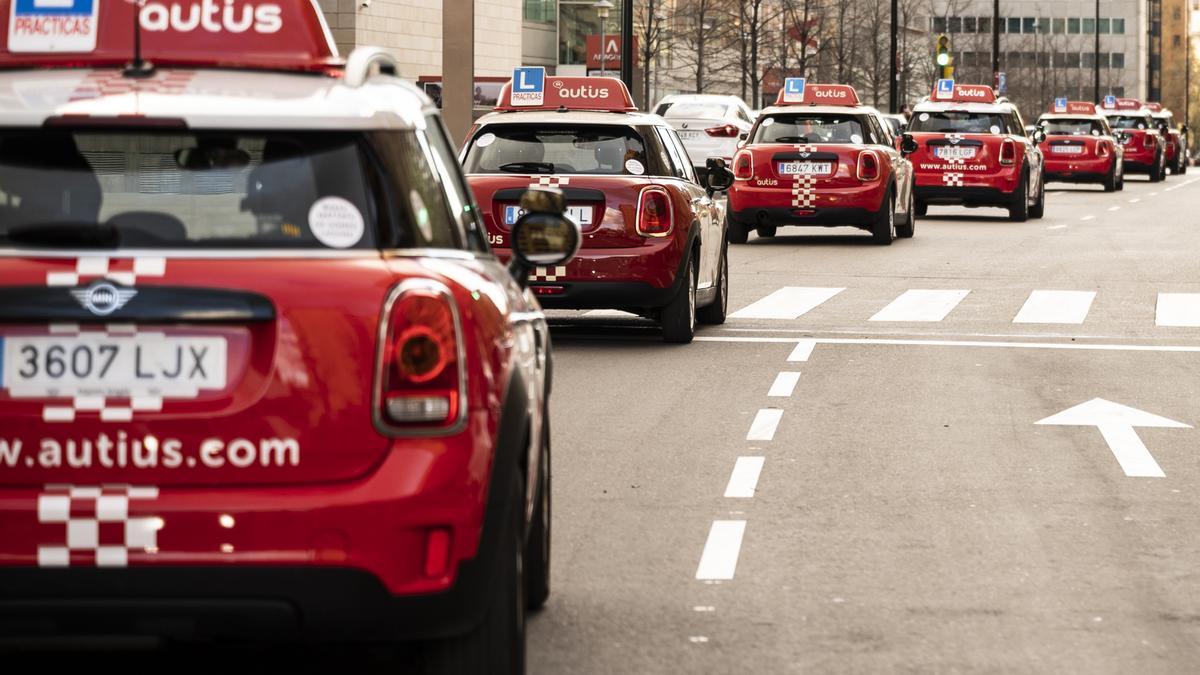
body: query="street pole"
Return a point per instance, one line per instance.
(603, 47)
(893, 79)
(1096, 61)
(458, 66)
(996, 43)
(627, 54)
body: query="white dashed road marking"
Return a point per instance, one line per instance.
(1088, 218)
(1056, 307)
(764, 425)
(790, 302)
(1114, 208)
(784, 385)
(803, 350)
(744, 479)
(921, 305)
(1178, 309)
(720, 557)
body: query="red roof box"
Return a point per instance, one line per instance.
(596, 94)
(260, 34)
(1154, 107)
(818, 94)
(1075, 108)
(1128, 104)
(967, 93)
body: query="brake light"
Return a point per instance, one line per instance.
(724, 131)
(1008, 152)
(654, 213)
(868, 166)
(1148, 142)
(420, 378)
(1102, 149)
(743, 165)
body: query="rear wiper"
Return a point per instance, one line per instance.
(66, 233)
(533, 167)
(791, 139)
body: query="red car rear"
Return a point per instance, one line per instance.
(1177, 140)
(1145, 148)
(1080, 147)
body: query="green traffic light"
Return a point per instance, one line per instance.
(943, 59)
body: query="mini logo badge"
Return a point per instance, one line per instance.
(103, 298)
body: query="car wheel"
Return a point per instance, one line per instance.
(537, 545)
(714, 314)
(497, 644)
(909, 227)
(735, 232)
(1156, 173)
(765, 231)
(920, 208)
(1110, 181)
(1039, 207)
(883, 230)
(1018, 210)
(679, 316)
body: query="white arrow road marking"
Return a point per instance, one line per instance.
(720, 557)
(1116, 423)
(789, 302)
(744, 479)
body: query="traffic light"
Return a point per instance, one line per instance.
(944, 61)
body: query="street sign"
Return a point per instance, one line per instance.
(1060, 104)
(944, 89)
(53, 26)
(1116, 423)
(529, 86)
(612, 52)
(1110, 101)
(793, 90)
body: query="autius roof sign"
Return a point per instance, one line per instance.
(964, 93)
(819, 94)
(66, 26)
(598, 94)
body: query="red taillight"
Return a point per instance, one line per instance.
(1102, 149)
(868, 166)
(420, 376)
(1008, 152)
(723, 131)
(1148, 141)
(654, 213)
(743, 165)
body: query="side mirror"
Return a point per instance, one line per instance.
(544, 236)
(745, 135)
(720, 178)
(1039, 136)
(908, 144)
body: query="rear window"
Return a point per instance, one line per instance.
(557, 149)
(1129, 122)
(810, 128)
(711, 111)
(1061, 127)
(218, 190)
(955, 121)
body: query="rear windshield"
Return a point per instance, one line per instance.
(956, 121)
(711, 111)
(809, 128)
(557, 149)
(1129, 122)
(218, 190)
(1062, 127)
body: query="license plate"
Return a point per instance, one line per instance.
(101, 365)
(953, 152)
(580, 214)
(689, 135)
(804, 168)
(1067, 149)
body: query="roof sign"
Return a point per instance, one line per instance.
(1110, 101)
(1128, 104)
(793, 90)
(1154, 107)
(1081, 108)
(817, 94)
(600, 94)
(944, 91)
(266, 34)
(529, 86)
(1060, 104)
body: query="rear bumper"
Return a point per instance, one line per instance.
(855, 205)
(815, 217)
(964, 196)
(1078, 170)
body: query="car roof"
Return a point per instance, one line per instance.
(571, 117)
(826, 109)
(724, 98)
(1069, 116)
(947, 106)
(212, 98)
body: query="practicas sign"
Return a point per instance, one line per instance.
(212, 16)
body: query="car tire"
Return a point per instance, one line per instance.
(1018, 209)
(497, 645)
(883, 230)
(714, 313)
(1121, 180)
(920, 208)
(537, 544)
(765, 231)
(1039, 207)
(679, 316)
(735, 232)
(1110, 181)
(1156, 173)
(907, 229)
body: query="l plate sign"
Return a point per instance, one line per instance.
(53, 26)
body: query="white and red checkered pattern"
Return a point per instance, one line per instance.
(101, 83)
(125, 271)
(97, 527)
(548, 273)
(551, 181)
(953, 178)
(804, 191)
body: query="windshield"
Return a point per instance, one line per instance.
(227, 189)
(1129, 122)
(557, 149)
(809, 128)
(1062, 127)
(713, 111)
(956, 121)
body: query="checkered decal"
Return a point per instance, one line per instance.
(804, 189)
(551, 181)
(124, 271)
(954, 138)
(98, 529)
(101, 83)
(548, 273)
(953, 179)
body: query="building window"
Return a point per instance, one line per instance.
(1072, 59)
(1060, 26)
(575, 24)
(968, 24)
(1043, 59)
(1043, 26)
(1118, 26)
(1089, 60)
(540, 11)
(1103, 59)
(1029, 25)
(1073, 26)
(939, 24)
(1118, 60)
(955, 24)
(1089, 26)
(1014, 25)
(1104, 26)
(1013, 59)
(968, 58)
(985, 24)
(1060, 60)
(1118, 91)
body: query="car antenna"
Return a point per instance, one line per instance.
(138, 67)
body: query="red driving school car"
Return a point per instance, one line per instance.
(1176, 137)
(260, 375)
(653, 238)
(817, 157)
(1080, 146)
(1145, 148)
(973, 151)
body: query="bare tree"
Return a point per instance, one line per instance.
(699, 30)
(649, 18)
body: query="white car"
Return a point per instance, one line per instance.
(709, 125)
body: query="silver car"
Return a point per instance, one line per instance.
(709, 125)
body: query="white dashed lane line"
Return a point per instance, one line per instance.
(744, 479)
(784, 385)
(803, 350)
(764, 425)
(1056, 227)
(1088, 218)
(721, 551)
(1134, 200)
(1114, 208)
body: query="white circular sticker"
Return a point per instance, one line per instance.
(1095, 132)
(768, 122)
(855, 138)
(994, 129)
(485, 140)
(924, 117)
(634, 167)
(336, 222)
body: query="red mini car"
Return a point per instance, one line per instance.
(1177, 140)
(1080, 146)
(653, 239)
(260, 374)
(973, 151)
(1145, 148)
(818, 157)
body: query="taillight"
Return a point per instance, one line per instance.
(1008, 152)
(743, 165)
(654, 213)
(1148, 141)
(724, 131)
(420, 378)
(1102, 149)
(868, 166)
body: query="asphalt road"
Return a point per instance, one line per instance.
(895, 507)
